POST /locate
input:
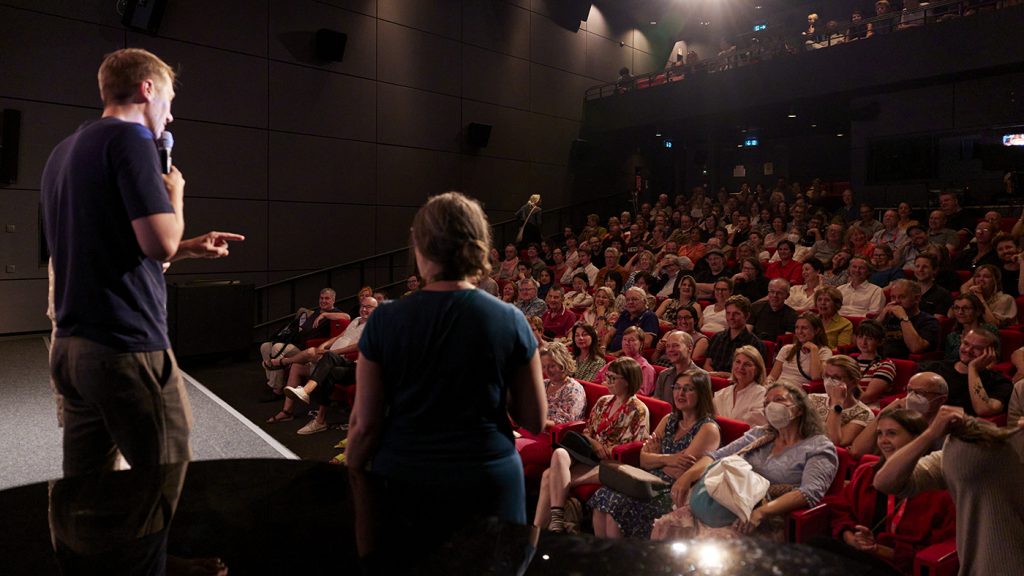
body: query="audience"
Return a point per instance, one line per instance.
(801, 298)
(838, 330)
(845, 416)
(792, 451)
(557, 318)
(631, 348)
(677, 347)
(999, 309)
(681, 438)
(934, 298)
(306, 325)
(586, 352)
(615, 419)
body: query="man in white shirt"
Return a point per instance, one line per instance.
(860, 297)
(584, 266)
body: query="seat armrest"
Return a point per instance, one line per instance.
(628, 453)
(938, 559)
(559, 430)
(806, 523)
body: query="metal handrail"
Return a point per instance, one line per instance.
(754, 51)
(398, 260)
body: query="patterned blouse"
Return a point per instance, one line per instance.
(625, 424)
(568, 404)
(587, 369)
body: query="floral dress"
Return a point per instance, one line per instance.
(636, 517)
(624, 424)
(568, 404)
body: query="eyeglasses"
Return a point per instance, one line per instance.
(684, 387)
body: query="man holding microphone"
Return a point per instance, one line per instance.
(112, 222)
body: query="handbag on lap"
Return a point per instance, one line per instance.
(631, 481)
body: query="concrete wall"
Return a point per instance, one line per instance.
(317, 163)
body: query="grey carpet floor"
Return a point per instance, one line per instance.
(30, 441)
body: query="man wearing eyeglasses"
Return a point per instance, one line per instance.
(926, 393)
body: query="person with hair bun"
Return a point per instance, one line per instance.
(983, 468)
(880, 530)
(430, 444)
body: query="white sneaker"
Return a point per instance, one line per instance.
(313, 427)
(297, 392)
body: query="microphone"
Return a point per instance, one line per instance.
(163, 146)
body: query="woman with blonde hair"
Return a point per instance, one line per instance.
(844, 414)
(421, 451)
(743, 398)
(1000, 309)
(615, 419)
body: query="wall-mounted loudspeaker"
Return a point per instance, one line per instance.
(478, 135)
(10, 133)
(144, 15)
(329, 45)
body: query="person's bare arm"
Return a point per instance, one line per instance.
(367, 415)
(983, 404)
(893, 476)
(528, 404)
(159, 235)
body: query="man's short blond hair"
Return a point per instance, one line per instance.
(122, 71)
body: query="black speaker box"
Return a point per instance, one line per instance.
(10, 133)
(478, 135)
(144, 15)
(210, 317)
(329, 45)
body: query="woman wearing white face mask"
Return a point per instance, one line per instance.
(792, 453)
(845, 416)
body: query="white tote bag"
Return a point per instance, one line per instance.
(734, 484)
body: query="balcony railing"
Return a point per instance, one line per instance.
(755, 47)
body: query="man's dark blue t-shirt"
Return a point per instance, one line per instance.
(95, 183)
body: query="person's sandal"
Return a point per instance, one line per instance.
(282, 416)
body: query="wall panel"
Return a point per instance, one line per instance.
(407, 176)
(497, 25)
(442, 17)
(221, 161)
(316, 169)
(321, 103)
(411, 117)
(494, 77)
(437, 67)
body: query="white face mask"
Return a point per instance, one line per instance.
(778, 415)
(831, 384)
(918, 403)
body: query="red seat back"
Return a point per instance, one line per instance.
(731, 429)
(656, 409)
(593, 392)
(717, 383)
(769, 353)
(904, 370)
(1011, 340)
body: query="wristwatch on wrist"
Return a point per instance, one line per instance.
(838, 408)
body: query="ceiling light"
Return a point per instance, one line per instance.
(839, 134)
(791, 115)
